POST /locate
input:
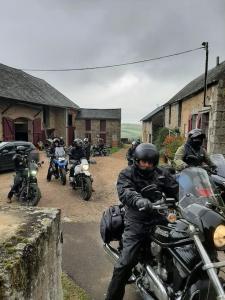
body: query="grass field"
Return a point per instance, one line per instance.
(131, 131)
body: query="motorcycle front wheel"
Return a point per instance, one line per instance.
(86, 189)
(63, 176)
(32, 197)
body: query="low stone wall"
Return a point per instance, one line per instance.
(30, 253)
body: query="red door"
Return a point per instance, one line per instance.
(37, 133)
(8, 129)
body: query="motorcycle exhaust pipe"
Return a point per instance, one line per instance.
(144, 294)
(161, 291)
(111, 252)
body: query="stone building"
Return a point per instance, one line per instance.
(105, 123)
(187, 110)
(151, 124)
(32, 110)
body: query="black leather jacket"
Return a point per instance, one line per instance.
(129, 185)
(77, 153)
(20, 162)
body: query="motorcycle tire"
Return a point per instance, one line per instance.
(86, 190)
(63, 176)
(32, 199)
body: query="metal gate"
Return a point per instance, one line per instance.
(8, 129)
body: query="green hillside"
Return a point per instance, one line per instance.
(131, 131)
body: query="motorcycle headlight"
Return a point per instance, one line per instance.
(219, 237)
(85, 167)
(33, 172)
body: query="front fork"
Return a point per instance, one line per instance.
(208, 266)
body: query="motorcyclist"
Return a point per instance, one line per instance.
(192, 152)
(61, 141)
(20, 161)
(100, 143)
(87, 148)
(130, 152)
(139, 216)
(53, 153)
(77, 152)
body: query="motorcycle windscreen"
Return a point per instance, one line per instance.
(219, 161)
(195, 187)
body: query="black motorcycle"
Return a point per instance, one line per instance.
(181, 259)
(100, 151)
(29, 193)
(219, 177)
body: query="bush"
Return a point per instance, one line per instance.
(160, 137)
(171, 144)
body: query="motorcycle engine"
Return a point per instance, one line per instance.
(155, 249)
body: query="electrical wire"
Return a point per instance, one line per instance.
(112, 65)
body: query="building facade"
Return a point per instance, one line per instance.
(32, 110)
(104, 123)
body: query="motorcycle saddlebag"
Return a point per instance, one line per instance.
(112, 223)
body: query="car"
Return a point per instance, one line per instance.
(8, 149)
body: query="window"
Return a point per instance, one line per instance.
(70, 120)
(169, 114)
(10, 148)
(102, 125)
(88, 125)
(179, 113)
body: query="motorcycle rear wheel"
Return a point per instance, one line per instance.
(63, 176)
(32, 198)
(49, 175)
(86, 190)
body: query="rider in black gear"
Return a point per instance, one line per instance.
(192, 152)
(77, 152)
(130, 152)
(20, 161)
(87, 148)
(139, 216)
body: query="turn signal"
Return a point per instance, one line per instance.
(171, 218)
(219, 237)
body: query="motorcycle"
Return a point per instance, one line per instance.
(181, 259)
(82, 179)
(219, 177)
(97, 151)
(58, 169)
(29, 193)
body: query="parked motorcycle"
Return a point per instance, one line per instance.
(58, 169)
(180, 259)
(98, 151)
(29, 193)
(219, 177)
(82, 179)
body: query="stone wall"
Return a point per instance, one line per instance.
(217, 121)
(173, 122)
(146, 131)
(113, 130)
(30, 261)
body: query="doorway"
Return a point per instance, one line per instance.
(21, 129)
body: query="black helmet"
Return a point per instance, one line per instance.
(196, 133)
(77, 143)
(20, 149)
(147, 152)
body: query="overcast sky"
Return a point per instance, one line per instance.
(79, 33)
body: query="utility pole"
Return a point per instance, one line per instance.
(206, 46)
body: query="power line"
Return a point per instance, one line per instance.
(113, 65)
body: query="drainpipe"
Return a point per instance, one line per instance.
(206, 46)
(66, 126)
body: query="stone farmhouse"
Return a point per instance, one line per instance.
(187, 110)
(105, 123)
(32, 110)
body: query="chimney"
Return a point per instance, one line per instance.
(217, 60)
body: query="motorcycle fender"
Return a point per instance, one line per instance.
(87, 173)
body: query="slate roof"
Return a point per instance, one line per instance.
(151, 114)
(90, 113)
(18, 85)
(196, 85)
